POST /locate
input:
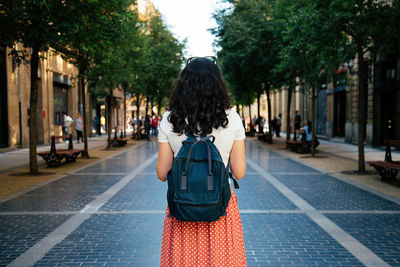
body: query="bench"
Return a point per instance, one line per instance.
(387, 168)
(119, 141)
(300, 146)
(265, 138)
(54, 157)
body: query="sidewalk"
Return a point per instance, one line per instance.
(19, 158)
(15, 164)
(340, 158)
(111, 212)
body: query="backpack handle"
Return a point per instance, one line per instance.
(210, 185)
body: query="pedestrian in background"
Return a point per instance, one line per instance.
(306, 132)
(297, 123)
(97, 125)
(255, 121)
(79, 127)
(147, 127)
(273, 125)
(278, 125)
(201, 98)
(102, 122)
(261, 123)
(154, 125)
(63, 123)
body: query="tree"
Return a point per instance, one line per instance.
(94, 45)
(163, 59)
(310, 51)
(39, 25)
(371, 27)
(248, 50)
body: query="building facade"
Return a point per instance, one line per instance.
(57, 92)
(337, 103)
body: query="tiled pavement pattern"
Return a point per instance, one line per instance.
(111, 213)
(20, 232)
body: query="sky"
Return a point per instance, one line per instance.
(190, 19)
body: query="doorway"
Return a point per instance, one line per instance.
(388, 119)
(339, 115)
(321, 112)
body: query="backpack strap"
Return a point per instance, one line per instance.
(210, 185)
(235, 183)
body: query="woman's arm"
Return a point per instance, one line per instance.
(238, 160)
(164, 162)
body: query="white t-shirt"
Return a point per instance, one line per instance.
(78, 124)
(224, 137)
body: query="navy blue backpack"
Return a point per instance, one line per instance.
(198, 183)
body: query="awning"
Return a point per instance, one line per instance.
(62, 79)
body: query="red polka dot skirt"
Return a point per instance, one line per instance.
(217, 243)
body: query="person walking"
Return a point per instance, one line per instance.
(273, 125)
(154, 125)
(200, 105)
(102, 123)
(97, 125)
(261, 123)
(64, 123)
(147, 127)
(79, 127)
(278, 125)
(297, 122)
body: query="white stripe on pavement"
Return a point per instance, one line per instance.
(35, 253)
(358, 250)
(248, 211)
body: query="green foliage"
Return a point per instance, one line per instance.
(162, 59)
(248, 43)
(114, 65)
(96, 39)
(372, 24)
(311, 49)
(143, 58)
(35, 23)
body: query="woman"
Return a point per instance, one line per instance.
(79, 127)
(201, 98)
(306, 131)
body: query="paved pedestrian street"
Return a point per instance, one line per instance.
(111, 214)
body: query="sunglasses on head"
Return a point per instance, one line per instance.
(211, 58)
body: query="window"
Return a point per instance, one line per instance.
(60, 101)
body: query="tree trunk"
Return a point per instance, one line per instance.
(125, 111)
(159, 106)
(268, 91)
(33, 166)
(361, 108)
(109, 118)
(147, 108)
(139, 123)
(259, 105)
(152, 105)
(251, 119)
(244, 119)
(85, 153)
(289, 101)
(314, 120)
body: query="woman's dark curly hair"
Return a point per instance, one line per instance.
(201, 96)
